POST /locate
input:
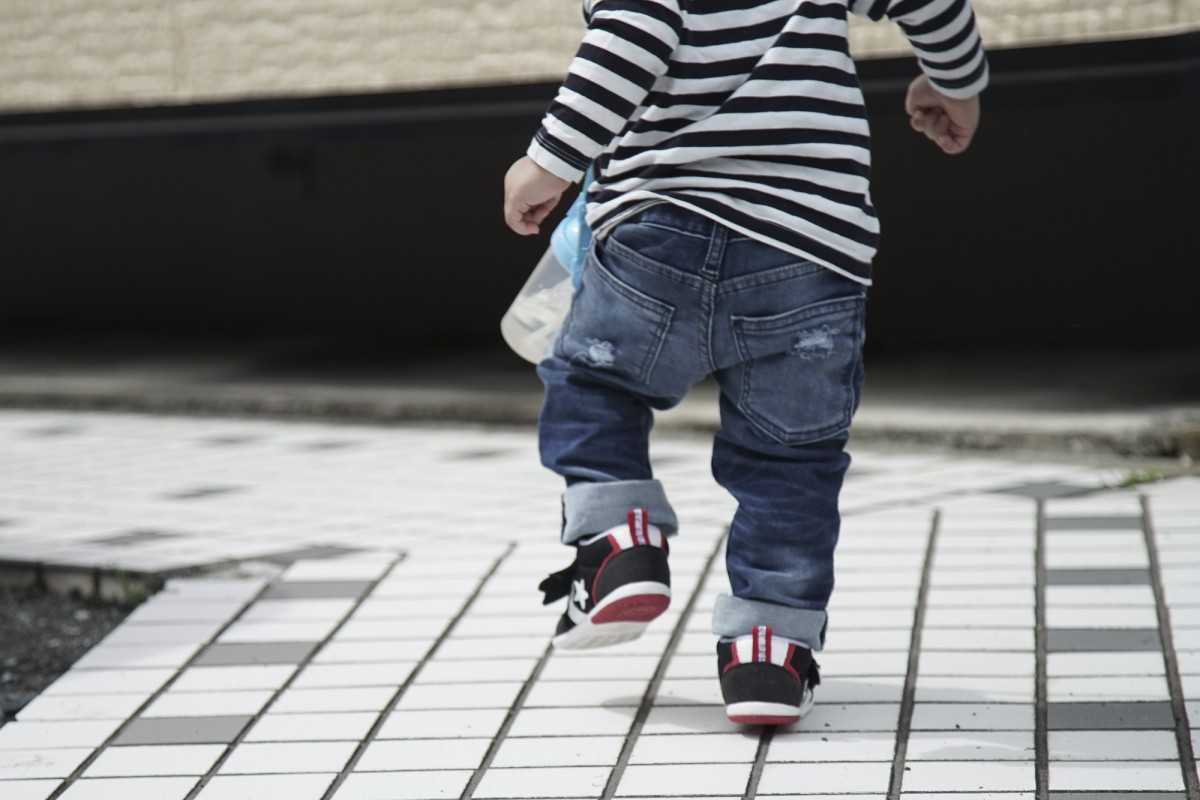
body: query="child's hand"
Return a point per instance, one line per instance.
(950, 123)
(530, 194)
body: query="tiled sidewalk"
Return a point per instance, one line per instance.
(1001, 629)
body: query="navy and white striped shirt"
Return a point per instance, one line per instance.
(746, 111)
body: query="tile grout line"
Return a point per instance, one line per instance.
(502, 735)
(1041, 702)
(909, 695)
(643, 712)
(95, 754)
(300, 665)
(760, 762)
(400, 691)
(1183, 735)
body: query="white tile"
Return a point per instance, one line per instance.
(683, 779)
(207, 704)
(1112, 746)
(1113, 776)
(1061, 690)
(977, 639)
(596, 721)
(142, 682)
(373, 698)
(179, 633)
(835, 778)
(59, 734)
(337, 570)
(439, 696)
(447, 784)
(375, 630)
(298, 610)
(1101, 617)
(555, 694)
(970, 746)
(332, 727)
(502, 669)
(972, 717)
(969, 776)
(233, 678)
(607, 667)
(327, 676)
(368, 652)
(575, 751)
(835, 717)
(878, 689)
(137, 656)
(285, 757)
(542, 782)
(29, 790)
(449, 724)
(34, 764)
(82, 707)
(422, 754)
(823, 746)
(1065, 665)
(949, 689)
(1021, 618)
(155, 761)
(257, 787)
(130, 789)
(999, 664)
(737, 747)
(689, 691)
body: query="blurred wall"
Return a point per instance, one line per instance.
(1068, 224)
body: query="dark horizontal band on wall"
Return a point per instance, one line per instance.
(1140, 70)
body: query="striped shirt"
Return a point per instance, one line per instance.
(746, 111)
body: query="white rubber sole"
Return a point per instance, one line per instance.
(622, 616)
(753, 712)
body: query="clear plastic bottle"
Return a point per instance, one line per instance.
(535, 317)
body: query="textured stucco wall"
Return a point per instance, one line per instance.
(100, 53)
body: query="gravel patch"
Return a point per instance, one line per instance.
(42, 633)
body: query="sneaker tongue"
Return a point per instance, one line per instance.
(557, 585)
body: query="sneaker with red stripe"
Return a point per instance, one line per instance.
(766, 679)
(618, 584)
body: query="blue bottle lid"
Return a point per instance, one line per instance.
(571, 239)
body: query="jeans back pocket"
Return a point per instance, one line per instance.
(799, 374)
(613, 327)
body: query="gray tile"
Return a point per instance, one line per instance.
(135, 537)
(296, 590)
(1097, 577)
(1093, 523)
(1046, 491)
(1070, 640)
(1118, 796)
(1110, 716)
(292, 556)
(183, 730)
(264, 653)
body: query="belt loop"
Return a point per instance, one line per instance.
(716, 249)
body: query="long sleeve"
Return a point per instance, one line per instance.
(944, 36)
(626, 49)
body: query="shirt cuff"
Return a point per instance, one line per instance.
(554, 164)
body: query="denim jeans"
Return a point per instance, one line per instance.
(669, 297)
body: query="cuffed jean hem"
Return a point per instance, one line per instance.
(589, 508)
(736, 616)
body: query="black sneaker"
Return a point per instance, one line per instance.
(766, 679)
(618, 584)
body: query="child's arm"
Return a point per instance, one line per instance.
(943, 103)
(625, 50)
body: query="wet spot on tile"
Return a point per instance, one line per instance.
(183, 730)
(294, 590)
(292, 556)
(1110, 716)
(1046, 491)
(136, 537)
(256, 653)
(229, 441)
(202, 492)
(53, 431)
(475, 455)
(1097, 577)
(1068, 640)
(328, 445)
(1118, 523)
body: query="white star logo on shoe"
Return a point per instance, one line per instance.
(579, 594)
